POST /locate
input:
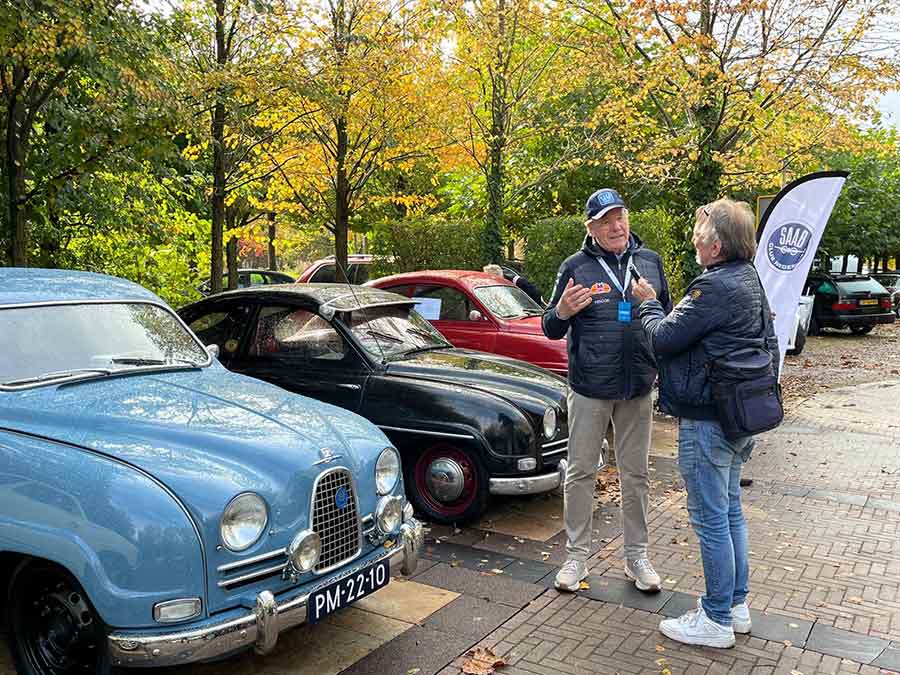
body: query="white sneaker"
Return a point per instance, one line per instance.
(570, 576)
(740, 617)
(695, 628)
(643, 575)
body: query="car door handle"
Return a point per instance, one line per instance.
(348, 386)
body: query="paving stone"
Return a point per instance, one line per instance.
(470, 557)
(530, 571)
(621, 592)
(844, 644)
(840, 497)
(470, 617)
(889, 658)
(678, 604)
(780, 628)
(418, 648)
(883, 504)
(481, 585)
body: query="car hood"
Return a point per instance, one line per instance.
(514, 380)
(206, 434)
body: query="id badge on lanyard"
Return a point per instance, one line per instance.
(624, 312)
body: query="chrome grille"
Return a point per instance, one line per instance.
(337, 527)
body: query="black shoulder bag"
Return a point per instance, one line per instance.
(745, 385)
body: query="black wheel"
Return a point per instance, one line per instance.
(861, 330)
(53, 629)
(449, 484)
(799, 342)
(813, 326)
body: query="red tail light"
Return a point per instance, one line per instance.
(843, 306)
(886, 303)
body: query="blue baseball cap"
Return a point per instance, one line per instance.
(603, 200)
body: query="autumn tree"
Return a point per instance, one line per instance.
(718, 94)
(363, 87)
(81, 87)
(514, 80)
(230, 75)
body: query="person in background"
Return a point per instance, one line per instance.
(721, 311)
(611, 374)
(511, 275)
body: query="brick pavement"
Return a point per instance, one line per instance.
(823, 514)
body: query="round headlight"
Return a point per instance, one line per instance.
(387, 471)
(550, 422)
(389, 514)
(243, 521)
(304, 551)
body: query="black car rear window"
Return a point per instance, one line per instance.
(860, 286)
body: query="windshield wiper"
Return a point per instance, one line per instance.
(151, 361)
(426, 348)
(386, 336)
(421, 333)
(58, 375)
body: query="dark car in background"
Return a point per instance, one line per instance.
(250, 277)
(467, 424)
(324, 271)
(891, 283)
(854, 301)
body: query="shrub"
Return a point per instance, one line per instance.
(426, 243)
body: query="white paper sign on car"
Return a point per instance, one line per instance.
(792, 227)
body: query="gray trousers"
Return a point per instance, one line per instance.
(588, 421)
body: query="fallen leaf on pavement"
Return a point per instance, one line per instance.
(584, 586)
(413, 671)
(855, 599)
(660, 648)
(496, 571)
(482, 661)
(455, 563)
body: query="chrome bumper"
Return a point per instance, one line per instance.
(258, 628)
(530, 485)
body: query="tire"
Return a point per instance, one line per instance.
(473, 490)
(813, 326)
(53, 628)
(861, 330)
(799, 342)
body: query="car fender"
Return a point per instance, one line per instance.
(433, 411)
(121, 533)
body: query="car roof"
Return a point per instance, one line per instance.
(21, 285)
(342, 297)
(470, 278)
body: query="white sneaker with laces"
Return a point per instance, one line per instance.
(643, 575)
(695, 628)
(570, 576)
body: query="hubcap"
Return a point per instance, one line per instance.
(445, 479)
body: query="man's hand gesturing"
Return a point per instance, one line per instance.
(575, 298)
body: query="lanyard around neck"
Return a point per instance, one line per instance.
(613, 278)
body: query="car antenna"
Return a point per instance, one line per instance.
(337, 264)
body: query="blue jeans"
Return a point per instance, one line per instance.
(711, 467)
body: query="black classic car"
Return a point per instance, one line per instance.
(468, 424)
(854, 301)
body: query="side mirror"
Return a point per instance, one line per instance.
(213, 351)
(475, 315)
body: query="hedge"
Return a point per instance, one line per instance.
(426, 243)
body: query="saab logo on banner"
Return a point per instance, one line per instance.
(788, 245)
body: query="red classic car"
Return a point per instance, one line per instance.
(480, 311)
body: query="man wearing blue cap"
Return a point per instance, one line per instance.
(611, 373)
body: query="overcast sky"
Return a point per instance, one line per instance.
(890, 107)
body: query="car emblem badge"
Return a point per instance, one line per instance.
(341, 498)
(327, 456)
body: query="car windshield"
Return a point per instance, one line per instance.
(53, 342)
(860, 286)
(389, 331)
(507, 302)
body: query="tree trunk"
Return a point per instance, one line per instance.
(17, 252)
(341, 203)
(493, 231)
(218, 143)
(859, 263)
(844, 264)
(232, 258)
(273, 261)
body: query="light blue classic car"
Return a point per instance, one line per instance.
(157, 509)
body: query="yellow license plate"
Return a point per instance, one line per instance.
(868, 302)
